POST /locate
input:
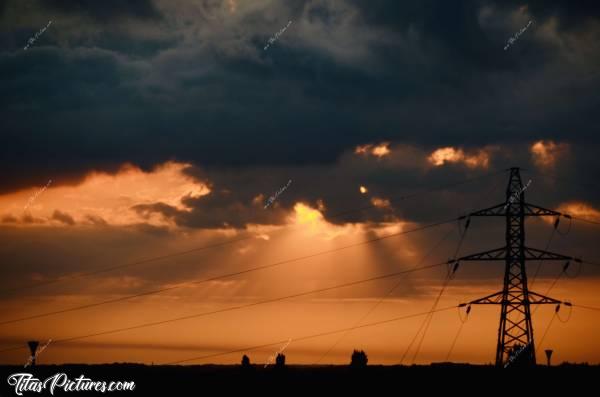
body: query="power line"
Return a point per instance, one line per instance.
(586, 307)
(564, 271)
(549, 288)
(440, 187)
(462, 323)
(224, 243)
(455, 339)
(558, 178)
(151, 324)
(228, 275)
(590, 263)
(397, 284)
(429, 317)
(433, 308)
(546, 331)
(307, 337)
(122, 266)
(537, 270)
(382, 299)
(542, 174)
(582, 219)
(450, 274)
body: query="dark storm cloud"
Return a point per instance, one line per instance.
(569, 14)
(417, 191)
(235, 200)
(106, 10)
(342, 74)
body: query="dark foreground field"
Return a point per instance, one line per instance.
(199, 380)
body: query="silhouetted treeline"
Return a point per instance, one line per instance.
(199, 380)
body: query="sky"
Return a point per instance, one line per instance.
(169, 159)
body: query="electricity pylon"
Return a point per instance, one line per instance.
(515, 330)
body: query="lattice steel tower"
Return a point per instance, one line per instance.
(515, 330)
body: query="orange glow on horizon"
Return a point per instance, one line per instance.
(93, 201)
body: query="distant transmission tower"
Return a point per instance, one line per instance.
(515, 333)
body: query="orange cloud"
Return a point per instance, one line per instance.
(305, 215)
(364, 149)
(380, 150)
(232, 6)
(449, 154)
(580, 210)
(546, 153)
(481, 159)
(104, 199)
(311, 220)
(380, 203)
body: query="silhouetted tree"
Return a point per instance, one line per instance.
(245, 361)
(359, 359)
(280, 360)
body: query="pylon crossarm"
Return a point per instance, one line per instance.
(539, 299)
(496, 210)
(536, 254)
(534, 210)
(496, 299)
(528, 210)
(498, 254)
(486, 300)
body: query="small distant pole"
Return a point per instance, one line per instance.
(33, 345)
(548, 354)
